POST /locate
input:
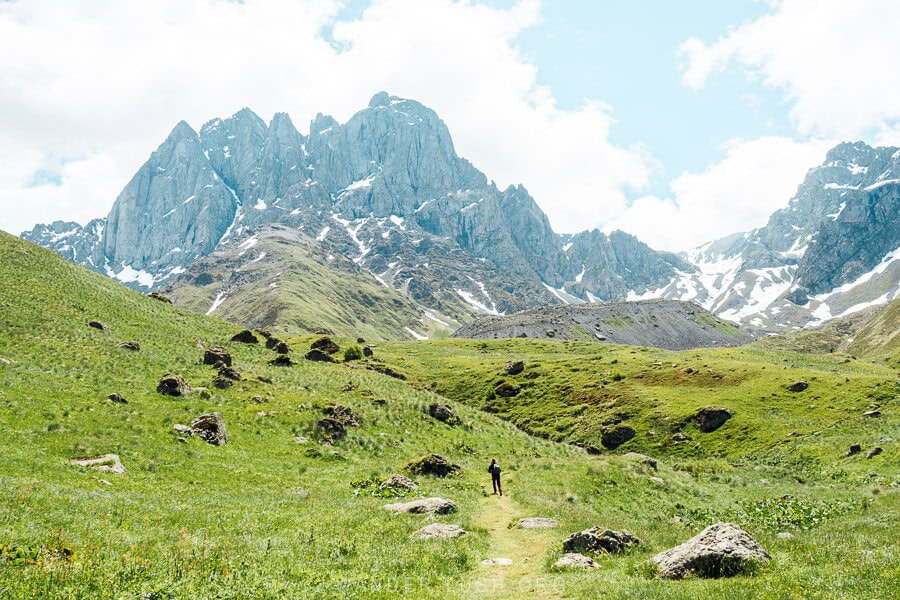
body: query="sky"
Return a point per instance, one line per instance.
(677, 121)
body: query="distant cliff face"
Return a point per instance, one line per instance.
(388, 191)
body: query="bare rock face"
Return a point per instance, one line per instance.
(398, 482)
(433, 506)
(711, 418)
(434, 464)
(720, 550)
(211, 428)
(573, 560)
(537, 523)
(173, 385)
(106, 462)
(595, 540)
(443, 413)
(439, 531)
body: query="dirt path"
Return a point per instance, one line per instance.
(526, 548)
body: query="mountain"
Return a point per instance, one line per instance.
(387, 191)
(669, 324)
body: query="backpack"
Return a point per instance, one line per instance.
(494, 468)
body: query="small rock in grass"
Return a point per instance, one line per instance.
(98, 325)
(184, 429)
(258, 399)
(785, 535)
(439, 531)
(514, 367)
(854, 449)
(874, 452)
(574, 560)
(500, 562)
(367, 351)
(595, 540)
(398, 482)
(325, 345)
(117, 398)
(613, 437)
(872, 413)
(106, 462)
(434, 464)
(798, 386)
(173, 385)
(711, 418)
(537, 523)
(300, 440)
(211, 428)
(645, 460)
(443, 413)
(132, 345)
(434, 506)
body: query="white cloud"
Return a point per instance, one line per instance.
(102, 83)
(739, 193)
(832, 58)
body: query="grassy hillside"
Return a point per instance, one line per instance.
(279, 278)
(264, 516)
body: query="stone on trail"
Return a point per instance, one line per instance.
(872, 413)
(433, 506)
(106, 462)
(245, 337)
(573, 560)
(720, 550)
(211, 428)
(439, 531)
(710, 418)
(173, 385)
(500, 562)
(398, 482)
(537, 523)
(595, 540)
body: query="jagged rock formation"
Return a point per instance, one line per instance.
(387, 193)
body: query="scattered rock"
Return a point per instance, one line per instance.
(874, 452)
(537, 523)
(318, 355)
(99, 325)
(573, 560)
(645, 460)
(272, 341)
(680, 437)
(300, 440)
(784, 535)
(216, 355)
(514, 367)
(258, 399)
(360, 340)
(332, 427)
(613, 437)
(106, 462)
(229, 373)
(398, 482)
(264, 332)
(434, 464)
(211, 428)
(854, 449)
(506, 390)
(443, 413)
(265, 413)
(433, 506)
(348, 387)
(263, 379)
(326, 345)
(245, 337)
(343, 415)
(282, 348)
(367, 351)
(497, 562)
(222, 382)
(173, 385)
(183, 429)
(130, 346)
(439, 531)
(798, 386)
(720, 550)
(595, 540)
(711, 418)
(160, 297)
(658, 480)
(872, 413)
(282, 360)
(117, 398)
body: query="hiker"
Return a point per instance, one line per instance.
(494, 470)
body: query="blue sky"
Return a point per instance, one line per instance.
(677, 121)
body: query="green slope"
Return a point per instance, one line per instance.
(266, 517)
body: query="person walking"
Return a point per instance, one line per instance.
(494, 470)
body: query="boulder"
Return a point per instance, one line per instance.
(271, 342)
(798, 386)
(514, 367)
(439, 531)
(432, 506)
(573, 560)
(229, 373)
(613, 437)
(245, 337)
(595, 540)
(173, 385)
(443, 413)
(216, 355)
(398, 482)
(117, 398)
(282, 348)
(282, 360)
(332, 427)
(854, 449)
(874, 452)
(222, 382)
(710, 418)
(211, 428)
(506, 390)
(134, 346)
(319, 356)
(367, 351)
(537, 523)
(326, 345)
(434, 464)
(343, 415)
(106, 462)
(98, 325)
(720, 550)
